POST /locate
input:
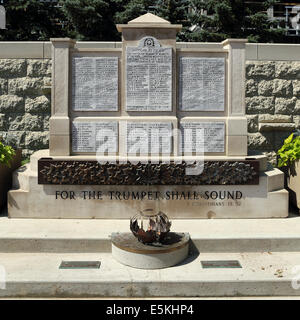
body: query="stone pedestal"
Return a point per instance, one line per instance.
(129, 251)
(28, 199)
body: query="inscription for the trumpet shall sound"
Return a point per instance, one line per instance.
(100, 137)
(95, 83)
(201, 84)
(148, 77)
(149, 138)
(199, 137)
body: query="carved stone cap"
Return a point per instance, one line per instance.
(234, 41)
(68, 42)
(148, 21)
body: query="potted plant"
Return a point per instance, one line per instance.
(288, 160)
(9, 161)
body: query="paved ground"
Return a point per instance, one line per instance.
(31, 251)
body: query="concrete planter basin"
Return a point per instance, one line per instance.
(292, 183)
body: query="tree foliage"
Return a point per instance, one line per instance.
(208, 20)
(232, 19)
(90, 19)
(174, 11)
(32, 20)
(131, 9)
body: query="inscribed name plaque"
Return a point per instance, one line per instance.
(149, 138)
(148, 77)
(100, 137)
(95, 83)
(198, 137)
(201, 84)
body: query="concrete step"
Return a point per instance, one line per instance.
(208, 236)
(275, 179)
(38, 275)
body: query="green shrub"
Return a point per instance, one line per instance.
(290, 151)
(6, 154)
(25, 161)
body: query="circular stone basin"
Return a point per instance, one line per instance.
(129, 251)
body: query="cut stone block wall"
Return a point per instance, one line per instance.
(272, 100)
(25, 103)
(272, 103)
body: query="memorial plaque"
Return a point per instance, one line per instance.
(82, 172)
(148, 77)
(201, 137)
(95, 83)
(201, 84)
(221, 264)
(98, 136)
(80, 265)
(149, 137)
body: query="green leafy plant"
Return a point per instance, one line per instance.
(25, 161)
(6, 154)
(290, 151)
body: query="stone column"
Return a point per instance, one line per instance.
(237, 121)
(61, 88)
(236, 75)
(149, 25)
(165, 32)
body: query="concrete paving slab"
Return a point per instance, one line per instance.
(38, 274)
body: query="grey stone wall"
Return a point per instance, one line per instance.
(25, 103)
(272, 104)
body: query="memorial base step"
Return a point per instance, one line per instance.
(38, 275)
(94, 236)
(28, 199)
(31, 251)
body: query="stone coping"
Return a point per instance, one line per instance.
(254, 51)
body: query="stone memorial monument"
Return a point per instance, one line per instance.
(148, 125)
